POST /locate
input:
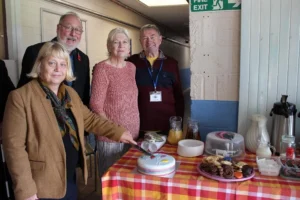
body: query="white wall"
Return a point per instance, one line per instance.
(269, 57)
(180, 53)
(215, 47)
(34, 21)
(215, 56)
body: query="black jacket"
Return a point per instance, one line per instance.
(6, 86)
(81, 70)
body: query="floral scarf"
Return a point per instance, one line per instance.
(60, 103)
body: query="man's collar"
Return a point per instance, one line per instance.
(160, 55)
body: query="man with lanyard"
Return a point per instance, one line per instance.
(69, 31)
(157, 77)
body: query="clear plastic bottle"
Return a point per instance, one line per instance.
(287, 147)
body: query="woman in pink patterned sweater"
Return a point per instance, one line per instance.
(114, 95)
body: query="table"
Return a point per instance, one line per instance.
(121, 183)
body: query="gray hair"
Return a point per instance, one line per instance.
(112, 34)
(54, 49)
(61, 19)
(149, 26)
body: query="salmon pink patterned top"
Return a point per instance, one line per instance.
(114, 94)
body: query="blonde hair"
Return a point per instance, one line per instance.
(112, 34)
(54, 49)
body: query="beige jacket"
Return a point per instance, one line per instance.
(33, 144)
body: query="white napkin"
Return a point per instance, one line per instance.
(153, 146)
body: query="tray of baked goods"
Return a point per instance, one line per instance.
(224, 169)
(290, 169)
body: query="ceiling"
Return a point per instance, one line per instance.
(172, 20)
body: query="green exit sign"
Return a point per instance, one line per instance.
(214, 5)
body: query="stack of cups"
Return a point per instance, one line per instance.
(153, 146)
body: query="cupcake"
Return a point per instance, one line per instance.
(247, 170)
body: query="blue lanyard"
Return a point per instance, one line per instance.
(155, 82)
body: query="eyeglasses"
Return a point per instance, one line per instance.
(69, 28)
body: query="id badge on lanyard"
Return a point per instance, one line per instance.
(155, 96)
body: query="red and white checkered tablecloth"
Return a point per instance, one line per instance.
(121, 183)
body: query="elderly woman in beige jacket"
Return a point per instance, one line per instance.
(43, 130)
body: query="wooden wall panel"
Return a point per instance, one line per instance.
(269, 58)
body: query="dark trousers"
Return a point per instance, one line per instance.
(71, 193)
(6, 190)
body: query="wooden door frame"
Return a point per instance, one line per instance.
(3, 13)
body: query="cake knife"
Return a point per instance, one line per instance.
(143, 150)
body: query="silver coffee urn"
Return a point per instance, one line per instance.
(283, 114)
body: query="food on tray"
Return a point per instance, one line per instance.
(159, 165)
(247, 170)
(228, 171)
(291, 168)
(225, 162)
(291, 163)
(238, 174)
(216, 165)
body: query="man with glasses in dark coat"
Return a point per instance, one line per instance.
(69, 31)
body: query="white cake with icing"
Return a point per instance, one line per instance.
(158, 165)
